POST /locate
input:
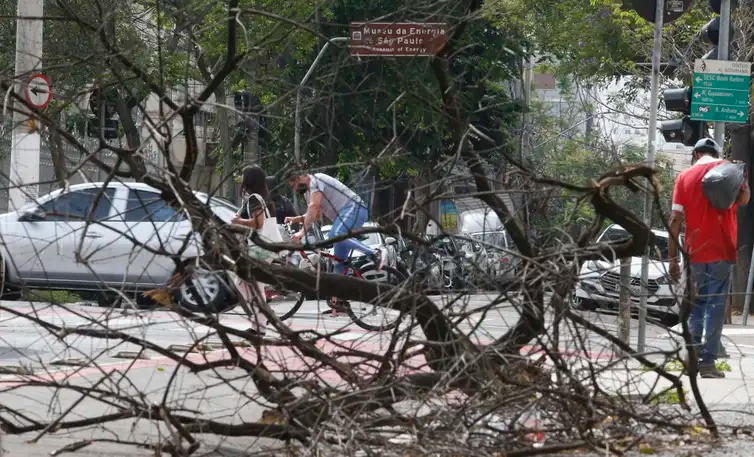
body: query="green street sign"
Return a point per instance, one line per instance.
(720, 91)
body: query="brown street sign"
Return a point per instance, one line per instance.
(395, 39)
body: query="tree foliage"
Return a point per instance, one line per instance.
(602, 39)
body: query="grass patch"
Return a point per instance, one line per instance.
(677, 365)
(52, 296)
(668, 397)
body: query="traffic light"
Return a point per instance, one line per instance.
(646, 9)
(682, 130)
(103, 105)
(678, 100)
(711, 31)
(248, 105)
(109, 100)
(247, 102)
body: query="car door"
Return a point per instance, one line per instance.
(155, 230)
(112, 250)
(59, 237)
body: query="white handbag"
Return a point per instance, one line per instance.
(269, 233)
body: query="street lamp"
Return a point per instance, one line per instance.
(297, 132)
(297, 126)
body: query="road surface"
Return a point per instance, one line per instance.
(26, 345)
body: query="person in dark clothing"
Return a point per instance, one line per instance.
(283, 206)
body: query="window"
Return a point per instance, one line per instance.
(371, 239)
(614, 234)
(658, 250)
(215, 202)
(76, 205)
(145, 206)
(494, 239)
(658, 247)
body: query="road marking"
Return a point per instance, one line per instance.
(738, 331)
(742, 345)
(350, 336)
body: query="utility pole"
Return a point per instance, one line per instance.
(525, 136)
(26, 141)
(624, 303)
(722, 54)
(651, 153)
(251, 153)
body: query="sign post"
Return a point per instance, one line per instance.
(26, 142)
(651, 155)
(721, 91)
(38, 91)
(397, 39)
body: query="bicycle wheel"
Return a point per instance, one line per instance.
(284, 304)
(371, 316)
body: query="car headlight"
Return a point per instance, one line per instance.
(593, 266)
(664, 279)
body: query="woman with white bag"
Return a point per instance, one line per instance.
(258, 213)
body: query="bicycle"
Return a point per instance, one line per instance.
(326, 261)
(219, 290)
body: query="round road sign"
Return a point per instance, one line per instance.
(38, 91)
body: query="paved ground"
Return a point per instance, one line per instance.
(26, 344)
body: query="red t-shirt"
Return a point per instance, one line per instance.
(711, 234)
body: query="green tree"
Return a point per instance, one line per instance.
(600, 39)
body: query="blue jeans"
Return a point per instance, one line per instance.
(708, 311)
(349, 218)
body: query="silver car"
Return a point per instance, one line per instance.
(93, 235)
(502, 251)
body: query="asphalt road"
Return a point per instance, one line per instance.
(26, 343)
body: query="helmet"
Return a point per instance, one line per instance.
(708, 145)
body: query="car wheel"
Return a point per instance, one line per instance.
(7, 292)
(582, 304)
(669, 320)
(204, 289)
(109, 300)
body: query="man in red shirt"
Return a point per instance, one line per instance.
(711, 242)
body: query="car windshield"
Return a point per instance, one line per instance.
(490, 238)
(217, 202)
(371, 239)
(454, 245)
(658, 249)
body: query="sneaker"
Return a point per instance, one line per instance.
(709, 371)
